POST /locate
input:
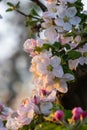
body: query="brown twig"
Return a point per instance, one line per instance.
(79, 45)
(40, 4)
(28, 15)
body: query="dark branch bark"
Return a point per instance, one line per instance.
(27, 15)
(40, 4)
(79, 45)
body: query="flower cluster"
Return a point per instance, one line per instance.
(58, 49)
(53, 54)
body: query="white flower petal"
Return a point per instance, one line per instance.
(71, 1)
(75, 20)
(55, 61)
(51, 34)
(62, 86)
(67, 26)
(71, 12)
(68, 77)
(42, 68)
(61, 11)
(52, 96)
(58, 72)
(59, 29)
(85, 60)
(59, 22)
(45, 108)
(81, 60)
(73, 64)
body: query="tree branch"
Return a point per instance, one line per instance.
(79, 45)
(27, 15)
(40, 4)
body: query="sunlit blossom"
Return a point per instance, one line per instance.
(66, 18)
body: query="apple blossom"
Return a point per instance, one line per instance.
(50, 66)
(66, 18)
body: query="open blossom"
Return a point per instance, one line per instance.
(48, 73)
(66, 18)
(50, 66)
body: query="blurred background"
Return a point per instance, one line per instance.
(15, 78)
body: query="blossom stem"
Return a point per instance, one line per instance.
(27, 15)
(79, 45)
(40, 4)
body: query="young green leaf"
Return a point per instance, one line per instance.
(10, 4)
(73, 55)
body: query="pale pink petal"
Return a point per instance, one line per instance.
(75, 20)
(45, 108)
(67, 26)
(68, 77)
(62, 86)
(73, 63)
(81, 60)
(58, 72)
(55, 61)
(71, 12)
(42, 68)
(59, 22)
(71, 1)
(51, 34)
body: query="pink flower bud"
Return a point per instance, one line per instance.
(30, 45)
(84, 114)
(1, 107)
(43, 92)
(76, 117)
(78, 112)
(36, 100)
(59, 115)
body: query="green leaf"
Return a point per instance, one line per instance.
(26, 127)
(68, 114)
(85, 54)
(17, 5)
(10, 4)
(46, 126)
(34, 12)
(66, 69)
(67, 46)
(46, 46)
(73, 55)
(83, 127)
(8, 10)
(57, 45)
(56, 107)
(61, 128)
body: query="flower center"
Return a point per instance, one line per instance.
(56, 79)
(54, 10)
(49, 67)
(66, 19)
